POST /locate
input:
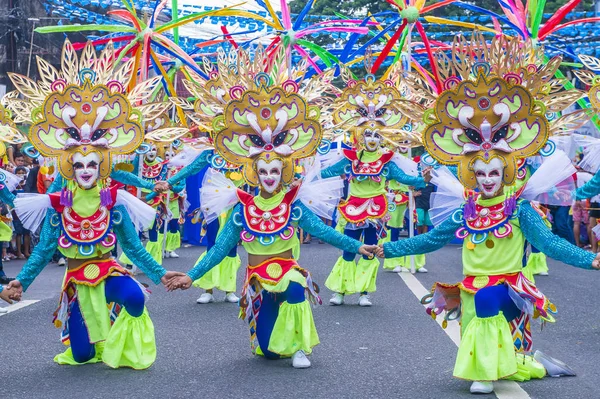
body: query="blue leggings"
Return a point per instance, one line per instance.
(395, 236)
(490, 301)
(269, 311)
(120, 289)
(172, 227)
(369, 236)
(212, 229)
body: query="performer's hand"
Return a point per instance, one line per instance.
(380, 253)
(5, 294)
(15, 290)
(596, 263)
(169, 275)
(427, 174)
(180, 282)
(161, 186)
(368, 250)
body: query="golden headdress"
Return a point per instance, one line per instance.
(372, 105)
(8, 129)
(261, 109)
(499, 100)
(85, 107)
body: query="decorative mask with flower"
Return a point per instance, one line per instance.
(498, 106)
(85, 114)
(372, 105)
(266, 130)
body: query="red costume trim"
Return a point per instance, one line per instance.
(269, 222)
(360, 168)
(357, 210)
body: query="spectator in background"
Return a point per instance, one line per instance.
(580, 211)
(19, 160)
(22, 235)
(4, 216)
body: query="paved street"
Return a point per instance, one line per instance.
(391, 350)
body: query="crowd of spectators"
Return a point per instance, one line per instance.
(31, 181)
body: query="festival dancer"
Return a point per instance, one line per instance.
(265, 131)
(369, 108)
(154, 170)
(82, 117)
(486, 121)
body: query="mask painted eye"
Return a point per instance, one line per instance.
(74, 133)
(262, 172)
(474, 136)
(280, 138)
(256, 140)
(77, 165)
(275, 172)
(363, 112)
(380, 112)
(494, 173)
(98, 134)
(500, 134)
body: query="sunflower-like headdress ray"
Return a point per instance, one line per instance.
(499, 100)
(8, 129)
(85, 107)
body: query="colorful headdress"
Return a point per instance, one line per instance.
(497, 102)
(235, 72)
(271, 122)
(590, 76)
(85, 107)
(371, 105)
(8, 129)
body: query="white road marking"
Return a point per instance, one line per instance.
(19, 305)
(503, 389)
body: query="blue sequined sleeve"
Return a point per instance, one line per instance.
(310, 223)
(56, 184)
(7, 197)
(228, 238)
(589, 189)
(179, 187)
(129, 241)
(195, 167)
(42, 253)
(423, 243)
(541, 237)
(395, 173)
(337, 169)
(130, 179)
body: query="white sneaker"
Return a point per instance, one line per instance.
(166, 254)
(300, 361)
(133, 269)
(364, 301)
(554, 367)
(422, 270)
(172, 254)
(3, 310)
(337, 299)
(482, 387)
(397, 269)
(62, 262)
(206, 298)
(405, 269)
(543, 273)
(231, 298)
